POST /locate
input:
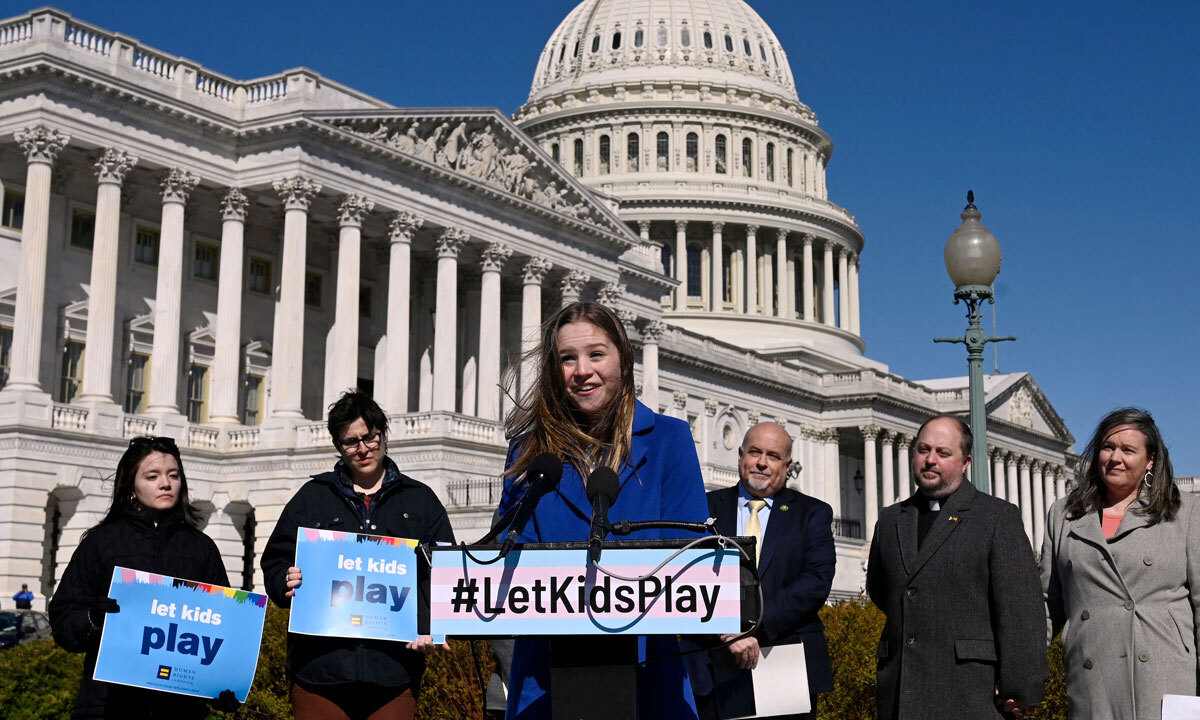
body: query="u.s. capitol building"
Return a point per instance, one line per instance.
(188, 254)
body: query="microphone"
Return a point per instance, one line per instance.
(603, 486)
(541, 477)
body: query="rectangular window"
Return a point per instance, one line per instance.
(83, 228)
(5, 354)
(254, 400)
(145, 245)
(205, 261)
(14, 210)
(197, 394)
(135, 383)
(364, 301)
(260, 276)
(72, 371)
(312, 290)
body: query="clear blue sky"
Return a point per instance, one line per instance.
(1076, 123)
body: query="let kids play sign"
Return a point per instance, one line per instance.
(180, 636)
(360, 586)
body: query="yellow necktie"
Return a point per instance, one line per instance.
(754, 527)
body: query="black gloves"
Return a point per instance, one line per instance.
(99, 610)
(226, 702)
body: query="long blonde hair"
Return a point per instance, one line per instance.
(548, 421)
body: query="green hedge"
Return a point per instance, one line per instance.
(38, 681)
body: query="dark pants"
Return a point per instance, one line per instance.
(356, 701)
(707, 707)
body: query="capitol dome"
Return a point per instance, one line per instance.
(685, 114)
(635, 41)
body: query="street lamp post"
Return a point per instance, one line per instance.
(973, 261)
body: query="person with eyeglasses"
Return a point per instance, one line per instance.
(150, 526)
(346, 678)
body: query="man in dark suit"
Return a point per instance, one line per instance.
(953, 571)
(795, 562)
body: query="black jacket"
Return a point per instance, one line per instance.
(133, 541)
(402, 507)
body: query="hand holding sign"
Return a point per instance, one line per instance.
(294, 579)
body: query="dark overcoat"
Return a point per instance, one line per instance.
(964, 613)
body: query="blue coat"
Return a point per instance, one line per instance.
(660, 481)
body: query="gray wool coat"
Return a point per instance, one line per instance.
(964, 612)
(1129, 607)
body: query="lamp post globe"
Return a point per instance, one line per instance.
(972, 253)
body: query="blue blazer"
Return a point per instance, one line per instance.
(660, 481)
(796, 567)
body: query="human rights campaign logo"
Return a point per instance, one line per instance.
(164, 672)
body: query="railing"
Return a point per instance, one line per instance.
(87, 39)
(446, 424)
(66, 417)
(312, 434)
(134, 426)
(847, 528)
(212, 85)
(16, 31)
(247, 439)
(474, 492)
(265, 90)
(202, 438)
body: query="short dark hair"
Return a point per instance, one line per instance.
(1162, 496)
(352, 405)
(963, 427)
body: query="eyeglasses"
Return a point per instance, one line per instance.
(370, 441)
(148, 440)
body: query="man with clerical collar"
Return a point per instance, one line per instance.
(795, 557)
(953, 571)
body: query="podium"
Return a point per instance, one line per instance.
(592, 618)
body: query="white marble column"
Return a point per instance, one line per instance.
(168, 297)
(102, 303)
(999, 485)
(854, 314)
(494, 257)
(768, 283)
(888, 467)
(707, 430)
(534, 272)
(843, 288)
(287, 337)
(1060, 482)
(781, 279)
(445, 332)
(41, 146)
(342, 356)
(401, 229)
(571, 286)
(790, 313)
(1039, 504)
(807, 290)
(651, 336)
(827, 311)
(833, 476)
(225, 371)
(681, 265)
(1047, 472)
(717, 294)
(904, 484)
(1026, 496)
(751, 270)
(1013, 492)
(870, 481)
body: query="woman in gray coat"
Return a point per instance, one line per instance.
(1121, 571)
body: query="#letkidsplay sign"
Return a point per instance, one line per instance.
(359, 586)
(180, 636)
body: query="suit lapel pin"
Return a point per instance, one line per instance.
(953, 518)
(783, 508)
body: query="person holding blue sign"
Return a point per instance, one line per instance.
(365, 493)
(150, 526)
(583, 409)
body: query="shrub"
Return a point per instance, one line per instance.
(38, 681)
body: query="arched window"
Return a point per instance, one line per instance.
(721, 154)
(789, 167)
(662, 35)
(576, 53)
(708, 41)
(762, 51)
(633, 156)
(639, 38)
(685, 37)
(728, 42)
(664, 150)
(693, 152)
(578, 169)
(562, 52)
(605, 154)
(770, 162)
(745, 45)
(616, 43)
(747, 158)
(595, 43)
(695, 272)
(775, 57)
(554, 153)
